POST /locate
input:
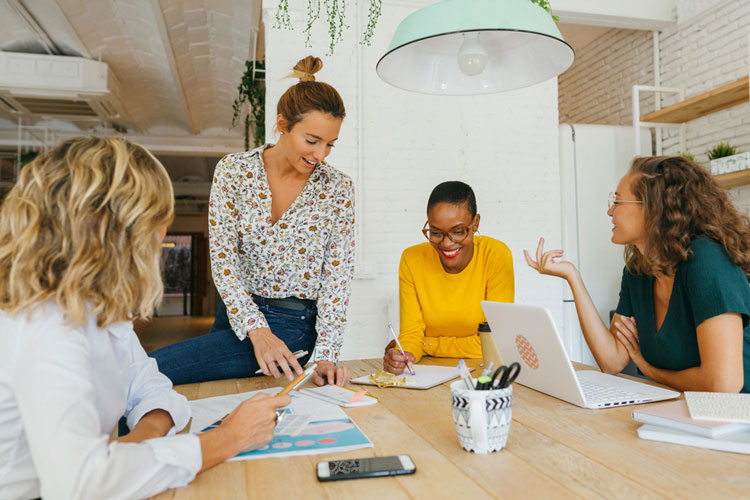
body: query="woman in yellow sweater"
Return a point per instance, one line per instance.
(443, 281)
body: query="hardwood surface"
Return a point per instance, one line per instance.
(703, 104)
(554, 450)
(166, 330)
(733, 179)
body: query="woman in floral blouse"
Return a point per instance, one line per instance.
(281, 227)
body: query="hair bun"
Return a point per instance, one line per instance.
(306, 68)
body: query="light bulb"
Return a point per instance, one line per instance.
(472, 57)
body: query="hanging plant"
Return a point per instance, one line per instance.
(545, 5)
(252, 90)
(335, 16)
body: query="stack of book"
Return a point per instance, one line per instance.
(672, 423)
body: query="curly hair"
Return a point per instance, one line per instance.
(682, 202)
(80, 227)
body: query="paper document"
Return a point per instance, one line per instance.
(341, 396)
(309, 426)
(425, 377)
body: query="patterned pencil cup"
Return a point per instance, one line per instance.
(482, 418)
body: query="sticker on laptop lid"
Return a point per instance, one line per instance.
(527, 352)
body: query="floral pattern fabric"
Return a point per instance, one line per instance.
(308, 253)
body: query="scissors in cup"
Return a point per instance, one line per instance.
(505, 375)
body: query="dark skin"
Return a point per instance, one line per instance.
(454, 257)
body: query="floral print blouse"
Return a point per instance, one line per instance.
(308, 253)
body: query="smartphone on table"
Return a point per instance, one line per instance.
(365, 467)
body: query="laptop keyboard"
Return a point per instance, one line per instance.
(607, 395)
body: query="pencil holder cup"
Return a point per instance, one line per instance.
(482, 418)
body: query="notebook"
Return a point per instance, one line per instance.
(528, 335)
(726, 407)
(675, 415)
(338, 395)
(738, 442)
(425, 377)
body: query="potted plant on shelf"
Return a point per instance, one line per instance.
(724, 159)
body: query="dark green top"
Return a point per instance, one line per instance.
(706, 285)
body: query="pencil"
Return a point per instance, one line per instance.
(408, 365)
(301, 379)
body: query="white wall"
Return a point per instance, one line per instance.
(504, 145)
(597, 88)
(706, 49)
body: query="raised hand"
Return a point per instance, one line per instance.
(545, 262)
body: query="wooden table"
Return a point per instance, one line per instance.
(554, 450)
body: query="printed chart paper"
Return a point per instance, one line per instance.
(308, 427)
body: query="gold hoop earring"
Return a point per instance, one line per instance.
(480, 238)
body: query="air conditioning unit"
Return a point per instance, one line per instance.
(65, 87)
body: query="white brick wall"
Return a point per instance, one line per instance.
(703, 51)
(598, 87)
(504, 145)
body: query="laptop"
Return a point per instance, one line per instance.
(527, 335)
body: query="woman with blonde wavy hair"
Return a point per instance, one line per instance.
(80, 238)
(684, 298)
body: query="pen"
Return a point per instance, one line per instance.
(487, 372)
(297, 354)
(301, 379)
(465, 374)
(408, 365)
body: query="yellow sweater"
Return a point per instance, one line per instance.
(440, 311)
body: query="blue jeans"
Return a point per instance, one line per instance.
(219, 354)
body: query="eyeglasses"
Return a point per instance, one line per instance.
(612, 201)
(457, 234)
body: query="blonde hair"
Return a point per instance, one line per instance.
(309, 95)
(80, 227)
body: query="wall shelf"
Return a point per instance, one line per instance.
(726, 96)
(733, 179)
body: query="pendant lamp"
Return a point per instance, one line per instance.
(466, 47)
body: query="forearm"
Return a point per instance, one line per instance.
(609, 354)
(155, 423)
(216, 446)
(699, 378)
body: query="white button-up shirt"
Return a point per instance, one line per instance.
(62, 391)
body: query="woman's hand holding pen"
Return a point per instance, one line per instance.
(395, 362)
(272, 354)
(545, 262)
(247, 427)
(328, 373)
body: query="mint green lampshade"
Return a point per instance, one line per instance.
(464, 47)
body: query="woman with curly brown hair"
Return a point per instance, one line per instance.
(684, 299)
